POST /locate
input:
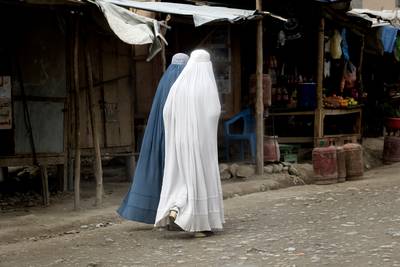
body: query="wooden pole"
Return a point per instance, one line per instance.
(77, 165)
(45, 185)
(360, 64)
(68, 108)
(163, 57)
(98, 169)
(259, 96)
(318, 121)
(66, 145)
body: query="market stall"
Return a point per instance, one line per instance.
(314, 62)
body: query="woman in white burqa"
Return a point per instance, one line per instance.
(191, 192)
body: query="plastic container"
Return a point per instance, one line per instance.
(392, 123)
(354, 161)
(271, 149)
(341, 164)
(325, 165)
(392, 126)
(391, 149)
(307, 95)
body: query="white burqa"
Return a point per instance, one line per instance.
(191, 182)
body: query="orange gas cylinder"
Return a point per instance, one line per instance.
(391, 149)
(325, 165)
(354, 161)
(341, 164)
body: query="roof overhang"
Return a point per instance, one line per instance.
(201, 14)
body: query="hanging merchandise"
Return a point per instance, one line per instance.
(349, 76)
(327, 68)
(373, 44)
(141, 202)
(344, 45)
(336, 50)
(327, 47)
(397, 49)
(388, 35)
(281, 38)
(191, 193)
(292, 29)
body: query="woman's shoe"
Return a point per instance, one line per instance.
(202, 234)
(172, 215)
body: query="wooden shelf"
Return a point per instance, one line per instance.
(294, 140)
(292, 113)
(325, 112)
(341, 111)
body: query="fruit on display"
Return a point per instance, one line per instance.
(335, 101)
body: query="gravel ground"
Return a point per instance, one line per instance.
(350, 224)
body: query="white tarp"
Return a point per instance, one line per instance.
(201, 14)
(132, 28)
(378, 18)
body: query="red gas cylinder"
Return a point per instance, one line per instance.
(354, 161)
(325, 165)
(271, 149)
(341, 164)
(391, 149)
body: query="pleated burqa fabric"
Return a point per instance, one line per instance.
(141, 202)
(191, 183)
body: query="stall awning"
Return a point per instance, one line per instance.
(201, 14)
(135, 29)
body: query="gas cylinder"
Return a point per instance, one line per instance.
(354, 161)
(391, 149)
(325, 165)
(271, 149)
(341, 164)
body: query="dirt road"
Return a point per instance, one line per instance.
(349, 224)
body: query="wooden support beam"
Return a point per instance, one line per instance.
(69, 133)
(77, 161)
(98, 169)
(259, 96)
(130, 164)
(68, 112)
(61, 178)
(45, 185)
(318, 121)
(3, 173)
(360, 63)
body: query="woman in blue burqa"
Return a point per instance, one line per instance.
(141, 202)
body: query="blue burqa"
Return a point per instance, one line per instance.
(141, 202)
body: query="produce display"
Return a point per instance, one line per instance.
(339, 102)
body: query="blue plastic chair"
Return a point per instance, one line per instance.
(248, 133)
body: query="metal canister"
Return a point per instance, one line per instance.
(391, 149)
(341, 164)
(325, 165)
(271, 149)
(354, 161)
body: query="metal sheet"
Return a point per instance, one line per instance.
(47, 121)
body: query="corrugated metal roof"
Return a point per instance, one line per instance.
(201, 14)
